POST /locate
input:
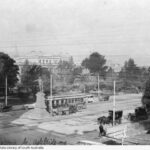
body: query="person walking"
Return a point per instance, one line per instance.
(102, 131)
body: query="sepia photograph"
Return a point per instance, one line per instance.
(74, 73)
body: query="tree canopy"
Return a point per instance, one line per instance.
(130, 71)
(96, 63)
(8, 68)
(147, 89)
(30, 73)
(65, 70)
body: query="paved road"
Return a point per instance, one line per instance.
(71, 128)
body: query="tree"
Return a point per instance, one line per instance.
(145, 74)
(8, 68)
(132, 76)
(29, 75)
(147, 89)
(65, 70)
(85, 63)
(45, 74)
(77, 75)
(77, 71)
(130, 71)
(96, 63)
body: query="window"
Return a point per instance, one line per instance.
(63, 101)
(53, 104)
(57, 103)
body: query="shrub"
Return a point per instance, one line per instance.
(41, 141)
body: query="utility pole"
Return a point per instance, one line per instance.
(51, 94)
(98, 86)
(6, 90)
(51, 85)
(114, 91)
(114, 102)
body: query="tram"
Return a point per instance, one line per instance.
(66, 104)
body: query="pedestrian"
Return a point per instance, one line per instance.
(102, 131)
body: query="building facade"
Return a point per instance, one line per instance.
(37, 58)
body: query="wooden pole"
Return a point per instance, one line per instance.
(98, 86)
(51, 94)
(114, 102)
(51, 85)
(6, 91)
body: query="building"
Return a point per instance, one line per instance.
(38, 58)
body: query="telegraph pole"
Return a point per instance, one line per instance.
(51, 85)
(6, 90)
(114, 102)
(98, 86)
(51, 94)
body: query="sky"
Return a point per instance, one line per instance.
(118, 29)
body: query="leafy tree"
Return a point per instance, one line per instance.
(147, 89)
(96, 63)
(132, 75)
(29, 75)
(65, 66)
(85, 63)
(45, 74)
(65, 70)
(146, 93)
(130, 71)
(145, 74)
(77, 71)
(8, 68)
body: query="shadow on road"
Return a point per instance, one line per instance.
(110, 142)
(146, 125)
